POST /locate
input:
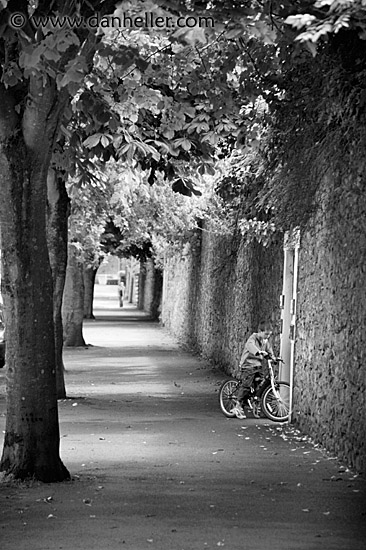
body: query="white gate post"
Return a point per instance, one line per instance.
(288, 307)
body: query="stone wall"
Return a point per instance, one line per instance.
(330, 358)
(217, 291)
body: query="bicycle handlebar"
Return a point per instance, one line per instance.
(275, 359)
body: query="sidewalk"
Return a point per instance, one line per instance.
(155, 464)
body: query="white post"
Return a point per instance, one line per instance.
(286, 297)
(288, 306)
(293, 314)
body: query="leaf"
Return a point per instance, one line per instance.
(300, 21)
(52, 55)
(189, 111)
(191, 36)
(31, 57)
(12, 74)
(166, 147)
(105, 140)
(168, 133)
(75, 72)
(92, 141)
(64, 40)
(210, 169)
(311, 47)
(183, 142)
(179, 187)
(195, 191)
(185, 187)
(141, 64)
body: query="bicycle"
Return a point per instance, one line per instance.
(267, 395)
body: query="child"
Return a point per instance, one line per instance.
(256, 348)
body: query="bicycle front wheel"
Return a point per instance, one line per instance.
(227, 396)
(276, 404)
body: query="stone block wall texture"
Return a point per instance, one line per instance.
(217, 291)
(330, 357)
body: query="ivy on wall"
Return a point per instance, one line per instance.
(317, 127)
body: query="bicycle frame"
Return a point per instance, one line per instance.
(272, 378)
(266, 380)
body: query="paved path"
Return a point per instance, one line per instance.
(155, 464)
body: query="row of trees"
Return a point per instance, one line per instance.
(122, 214)
(166, 102)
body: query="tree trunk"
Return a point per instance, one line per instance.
(58, 211)
(157, 294)
(73, 301)
(142, 286)
(31, 444)
(150, 288)
(90, 274)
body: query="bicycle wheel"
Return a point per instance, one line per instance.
(276, 405)
(227, 396)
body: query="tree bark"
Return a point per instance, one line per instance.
(58, 211)
(142, 286)
(90, 274)
(31, 444)
(150, 288)
(157, 294)
(73, 300)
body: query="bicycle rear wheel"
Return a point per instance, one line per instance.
(276, 405)
(227, 396)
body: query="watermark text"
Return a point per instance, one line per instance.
(18, 20)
